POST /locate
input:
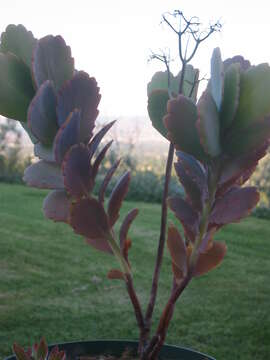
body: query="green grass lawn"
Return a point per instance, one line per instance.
(53, 284)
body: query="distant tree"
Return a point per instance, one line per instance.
(10, 146)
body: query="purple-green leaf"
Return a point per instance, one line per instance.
(100, 244)
(211, 259)
(107, 180)
(238, 59)
(115, 274)
(82, 93)
(67, 136)
(217, 77)
(55, 354)
(208, 124)
(52, 61)
(19, 41)
(20, 353)
(42, 119)
(181, 124)
(194, 168)
(243, 141)
(77, 171)
(42, 350)
(178, 252)
(159, 81)
(44, 152)
(187, 216)
(93, 145)
(44, 175)
(130, 217)
(16, 89)
(234, 205)
(235, 171)
(157, 109)
(117, 196)
(254, 102)
(231, 96)
(192, 189)
(56, 206)
(88, 218)
(99, 158)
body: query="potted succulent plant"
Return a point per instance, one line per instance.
(218, 141)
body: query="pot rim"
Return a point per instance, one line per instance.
(120, 341)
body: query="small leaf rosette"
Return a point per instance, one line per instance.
(38, 351)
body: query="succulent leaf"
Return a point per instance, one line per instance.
(82, 93)
(67, 136)
(56, 206)
(115, 274)
(211, 259)
(19, 41)
(208, 125)
(191, 83)
(88, 218)
(231, 96)
(42, 350)
(241, 142)
(157, 109)
(100, 244)
(100, 157)
(117, 196)
(187, 216)
(192, 189)
(217, 77)
(178, 252)
(52, 61)
(44, 152)
(181, 124)
(238, 59)
(44, 175)
(235, 171)
(106, 181)
(254, 102)
(159, 81)
(130, 217)
(93, 145)
(207, 241)
(77, 171)
(16, 90)
(20, 353)
(42, 119)
(234, 205)
(29, 133)
(55, 354)
(194, 168)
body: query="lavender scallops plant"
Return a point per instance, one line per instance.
(218, 140)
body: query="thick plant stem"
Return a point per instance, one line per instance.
(129, 283)
(166, 318)
(136, 305)
(162, 238)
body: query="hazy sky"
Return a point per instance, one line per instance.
(111, 39)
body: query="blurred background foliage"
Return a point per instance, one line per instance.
(147, 177)
(12, 158)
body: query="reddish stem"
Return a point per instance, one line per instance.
(135, 302)
(166, 318)
(162, 238)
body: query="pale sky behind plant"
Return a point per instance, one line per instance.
(112, 39)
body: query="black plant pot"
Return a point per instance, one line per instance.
(116, 347)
